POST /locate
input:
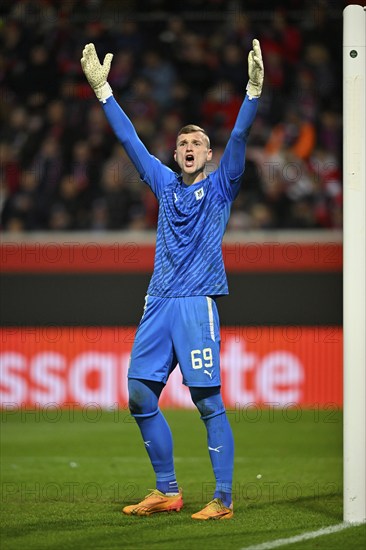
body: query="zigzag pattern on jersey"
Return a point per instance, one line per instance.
(191, 225)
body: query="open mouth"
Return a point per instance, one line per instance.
(189, 160)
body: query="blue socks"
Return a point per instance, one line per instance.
(219, 438)
(155, 431)
(221, 448)
(159, 445)
(143, 402)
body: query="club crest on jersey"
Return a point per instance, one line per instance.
(199, 193)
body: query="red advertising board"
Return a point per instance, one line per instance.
(87, 366)
(127, 257)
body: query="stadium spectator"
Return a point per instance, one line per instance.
(171, 65)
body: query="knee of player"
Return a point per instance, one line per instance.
(138, 405)
(135, 406)
(208, 401)
(142, 400)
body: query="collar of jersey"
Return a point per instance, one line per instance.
(198, 183)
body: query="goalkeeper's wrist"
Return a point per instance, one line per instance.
(103, 92)
(253, 91)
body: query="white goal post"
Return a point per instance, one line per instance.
(354, 242)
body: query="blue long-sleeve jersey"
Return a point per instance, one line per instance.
(192, 219)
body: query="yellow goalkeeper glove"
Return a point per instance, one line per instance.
(96, 73)
(255, 71)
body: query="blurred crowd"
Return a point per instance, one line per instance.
(63, 169)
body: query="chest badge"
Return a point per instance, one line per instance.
(199, 194)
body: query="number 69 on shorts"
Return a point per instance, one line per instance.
(201, 359)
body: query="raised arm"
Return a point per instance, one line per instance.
(233, 159)
(97, 74)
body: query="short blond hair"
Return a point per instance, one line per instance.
(190, 128)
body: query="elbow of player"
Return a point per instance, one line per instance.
(235, 173)
(239, 136)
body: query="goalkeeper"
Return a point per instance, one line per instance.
(180, 322)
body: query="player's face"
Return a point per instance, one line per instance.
(192, 153)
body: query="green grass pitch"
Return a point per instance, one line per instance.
(65, 475)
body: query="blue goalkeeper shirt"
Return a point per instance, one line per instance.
(192, 218)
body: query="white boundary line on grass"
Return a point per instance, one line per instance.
(304, 536)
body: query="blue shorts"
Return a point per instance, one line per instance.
(182, 330)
